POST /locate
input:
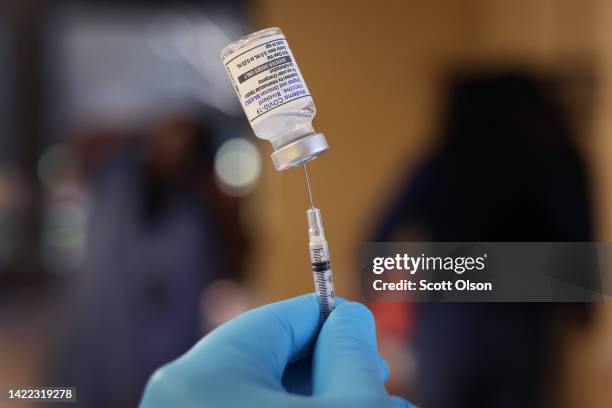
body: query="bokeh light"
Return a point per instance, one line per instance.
(57, 165)
(64, 236)
(237, 166)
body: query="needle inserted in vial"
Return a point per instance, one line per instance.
(308, 185)
(288, 126)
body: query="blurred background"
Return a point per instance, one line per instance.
(138, 211)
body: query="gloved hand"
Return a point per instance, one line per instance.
(242, 363)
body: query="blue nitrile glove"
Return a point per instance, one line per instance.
(241, 364)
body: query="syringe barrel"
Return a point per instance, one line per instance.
(321, 264)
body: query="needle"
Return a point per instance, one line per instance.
(308, 184)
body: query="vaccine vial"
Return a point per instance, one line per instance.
(274, 96)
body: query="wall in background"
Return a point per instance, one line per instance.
(380, 117)
(380, 120)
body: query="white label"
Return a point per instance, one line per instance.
(266, 77)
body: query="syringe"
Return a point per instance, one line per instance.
(319, 257)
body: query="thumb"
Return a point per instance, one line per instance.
(345, 357)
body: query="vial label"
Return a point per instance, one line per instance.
(266, 77)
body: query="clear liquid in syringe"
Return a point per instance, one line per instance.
(319, 258)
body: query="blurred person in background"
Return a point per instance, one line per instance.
(160, 231)
(507, 170)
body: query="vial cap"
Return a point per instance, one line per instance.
(300, 151)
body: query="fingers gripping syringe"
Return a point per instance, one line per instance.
(319, 257)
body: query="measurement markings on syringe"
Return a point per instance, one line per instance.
(321, 279)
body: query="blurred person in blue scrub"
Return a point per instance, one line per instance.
(159, 232)
(507, 170)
